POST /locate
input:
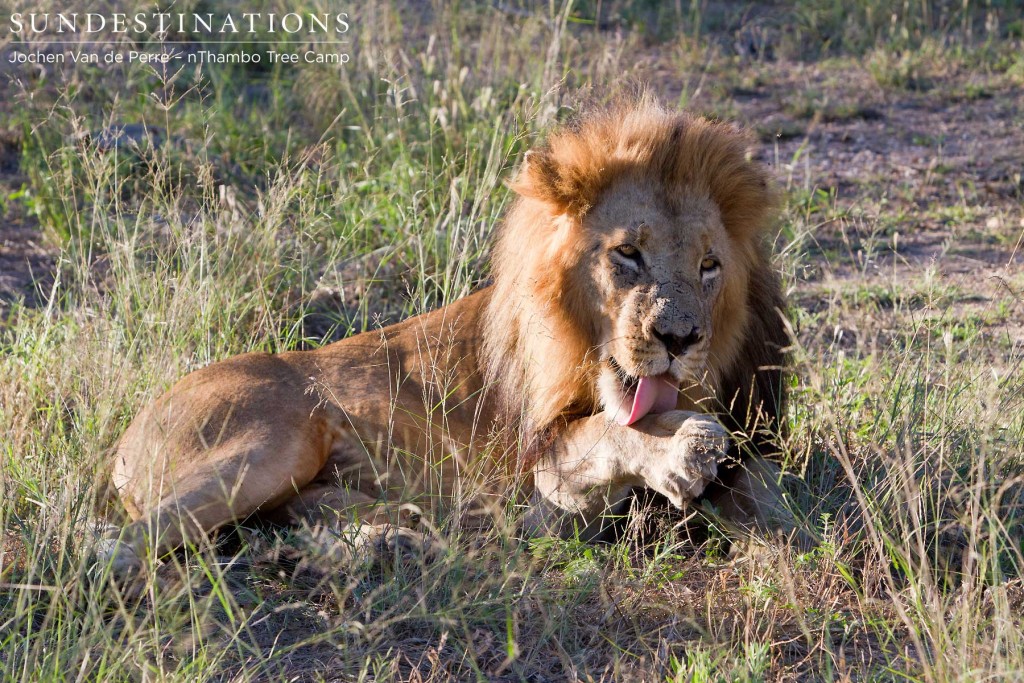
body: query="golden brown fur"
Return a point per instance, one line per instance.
(541, 362)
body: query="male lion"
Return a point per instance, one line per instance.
(633, 312)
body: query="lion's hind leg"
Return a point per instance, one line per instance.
(174, 502)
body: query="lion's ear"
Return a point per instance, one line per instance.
(538, 177)
(544, 179)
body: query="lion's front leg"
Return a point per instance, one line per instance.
(589, 472)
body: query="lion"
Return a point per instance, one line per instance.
(632, 338)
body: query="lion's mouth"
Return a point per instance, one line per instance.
(640, 396)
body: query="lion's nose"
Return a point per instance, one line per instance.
(675, 344)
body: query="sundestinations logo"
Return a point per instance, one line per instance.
(167, 23)
(237, 37)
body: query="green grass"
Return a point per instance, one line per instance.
(906, 426)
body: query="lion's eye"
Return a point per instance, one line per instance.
(708, 266)
(629, 251)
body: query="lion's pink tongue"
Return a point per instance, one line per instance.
(652, 393)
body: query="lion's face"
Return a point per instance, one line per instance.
(658, 269)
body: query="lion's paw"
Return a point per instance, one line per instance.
(690, 456)
(116, 561)
(384, 543)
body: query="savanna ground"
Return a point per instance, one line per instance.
(278, 207)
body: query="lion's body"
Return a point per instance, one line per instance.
(632, 272)
(393, 414)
